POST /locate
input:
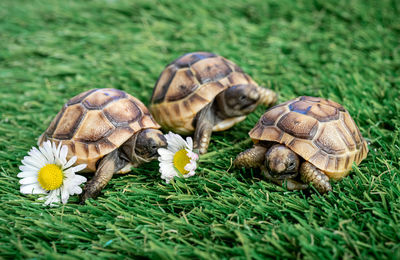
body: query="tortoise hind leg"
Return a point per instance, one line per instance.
(110, 164)
(204, 127)
(310, 173)
(251, 158)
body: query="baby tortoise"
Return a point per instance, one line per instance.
(202, 92)
(312, 136)
(107, 129)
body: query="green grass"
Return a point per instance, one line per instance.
(347, 51)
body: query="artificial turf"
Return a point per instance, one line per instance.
(347, 51)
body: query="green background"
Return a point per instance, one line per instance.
(347, 51)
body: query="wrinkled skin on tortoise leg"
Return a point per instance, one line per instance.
(310, 173)
(251, 158)
(204, 126)
(110, 164)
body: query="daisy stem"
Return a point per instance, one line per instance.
(206, 156)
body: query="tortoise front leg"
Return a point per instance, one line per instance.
(251, 158)
(204, 127)
(310, 173)
(110, 164)
(290, 183)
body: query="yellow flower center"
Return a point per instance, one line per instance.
(50, 177)
(180, 161)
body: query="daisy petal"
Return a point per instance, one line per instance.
(190, 174)
(166, 164)
(28, 180)
(54, 149)
(190, 167)
(57, 149)
(77, 168)
(29, 161)
(53, 198)
(64, 195)
(175, 142)
(78, 180)
(28, 168)
(44, 153)
(48, 152)
(75, 190)
(189, 141)
(37, 155)
(192, 155)
(27, 174)
(32, 189)
(163, 151)
(169, 173)
(63, 154)
(166, 157)
(70, 162)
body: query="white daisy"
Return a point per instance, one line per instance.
(47, 171)
(178, 159)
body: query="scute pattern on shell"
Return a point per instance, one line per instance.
(94, 123)
(190, 83)
(319, 130)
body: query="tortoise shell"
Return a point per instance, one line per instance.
(319, 130)
(189, 84)
(96, 122)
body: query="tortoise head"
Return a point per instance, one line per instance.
(142, 147)
(281, 162)
(238, 100)
(147, 143)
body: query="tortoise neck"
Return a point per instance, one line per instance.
(220, 106)
(129, 150)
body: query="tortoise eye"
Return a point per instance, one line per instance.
(291, 166)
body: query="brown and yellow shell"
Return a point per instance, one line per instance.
(96, 122)
(319, 130)
(189, 84)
